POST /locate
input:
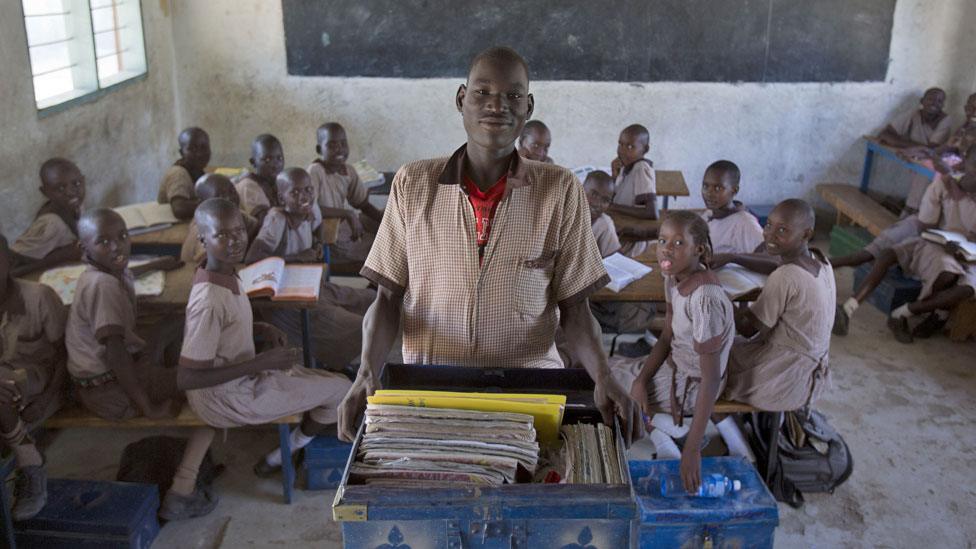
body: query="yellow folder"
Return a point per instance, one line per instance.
(547, 410)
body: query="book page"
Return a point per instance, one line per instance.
(262, 278)
(157, 214)
(300, 283)
(738, 281)
(132, 216)
(623, 270)
(63, 280)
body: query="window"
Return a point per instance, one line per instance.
(78, 47)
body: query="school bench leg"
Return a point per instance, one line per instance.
(327, 259)
(287, 466)
(665, 202)
(6, 519)
(309, 359)
(866, 172)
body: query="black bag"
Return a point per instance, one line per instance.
(808, 456)
(154, 460)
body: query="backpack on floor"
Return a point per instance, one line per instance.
(809, 455)
(154, 460)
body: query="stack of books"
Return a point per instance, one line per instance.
(406, 446)
(590, 451)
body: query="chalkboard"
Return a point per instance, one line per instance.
(626, 40)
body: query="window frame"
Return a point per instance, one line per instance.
(99, 91)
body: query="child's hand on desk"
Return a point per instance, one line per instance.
(280, 358)
(628, 233)
(956, 251)
(720, 260)
(271, 334)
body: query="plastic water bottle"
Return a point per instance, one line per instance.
(715, 485)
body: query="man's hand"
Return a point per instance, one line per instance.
(351, 407)
(355, 225)
(611, 399)
(270, 333)
(691, 469)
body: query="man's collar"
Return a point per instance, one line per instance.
(220, 279)
(453, 173)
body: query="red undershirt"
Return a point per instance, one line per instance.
(484, 205)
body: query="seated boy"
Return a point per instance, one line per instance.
(926, 126)
(52, 238)
(784, 366)
(256, 188)
(290, 232)
(176, 188)
(212, 185)
(599, 193)
(946, 280)
(115, 372)
(535, 141)
(341, 193)
(732, 228)
(634, 192)
(31, 377)
(227, 383)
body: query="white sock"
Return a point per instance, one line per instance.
(734, 439)
(941, 315)
(298, 440)
(850, 306)
(664, 422)
(649, 338)
(901, 312)
(664, 446)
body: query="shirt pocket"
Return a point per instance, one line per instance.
(533, 277)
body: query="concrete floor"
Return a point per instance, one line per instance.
(907, 412)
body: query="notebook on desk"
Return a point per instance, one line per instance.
(147, 217)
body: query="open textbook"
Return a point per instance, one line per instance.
(271, 277)
(738, 281)
(623, 270)
(147, 217)
(63, 280)
(945, 237)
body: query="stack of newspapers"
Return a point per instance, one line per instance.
(407, 446)
(590, 451)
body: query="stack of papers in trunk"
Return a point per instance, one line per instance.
(406, 446)
(591, 452)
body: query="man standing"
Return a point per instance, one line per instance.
(477, 252)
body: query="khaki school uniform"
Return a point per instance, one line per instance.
(337, 320)
(347, 192)
(909, 125)
(32, 321)
(605, 233)
(948, 207)
(104, 306)
(177, 182)
(701, 320)
(499, 311)
(631, 182)
(46, 233)
(736, 233)
(255, 196)
(219, 332)
(904, 229)
(790, 369)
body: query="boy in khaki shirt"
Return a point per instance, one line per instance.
(256, 189)
(212, 185)
(176, 188)
(31, 376)
(52, 238)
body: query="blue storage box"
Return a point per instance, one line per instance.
(86, 513)
(746, 518)
(894, 291)
(761, 212)
(325, 460)
(536, 516)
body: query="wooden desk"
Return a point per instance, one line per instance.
(649, 288)
(670, 183)
(621, 221)
(175, 234)
(856, 206)
(873, 146)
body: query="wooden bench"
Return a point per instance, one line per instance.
(74, 416)
(855, 207)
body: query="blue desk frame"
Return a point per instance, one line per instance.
(872, 148)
